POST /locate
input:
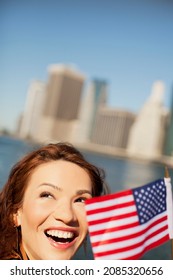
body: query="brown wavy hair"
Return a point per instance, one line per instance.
(11, 196)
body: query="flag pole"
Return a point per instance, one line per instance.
(167, 172)
(168, 176)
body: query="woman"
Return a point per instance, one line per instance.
(42, 214)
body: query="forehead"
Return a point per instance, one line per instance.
(62, 172)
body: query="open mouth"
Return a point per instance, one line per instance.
(60, 236)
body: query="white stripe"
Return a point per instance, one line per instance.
(119, 256)
(124, 221)
(107, 203)
(122, 233)
(130, 253)
(131, 230)
(112, 213)
(114, 223)
(156, 237)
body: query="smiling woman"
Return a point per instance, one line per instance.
(42, 213)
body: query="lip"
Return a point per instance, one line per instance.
(58, 245)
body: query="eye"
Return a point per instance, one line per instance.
(81, 199)
(46, 195)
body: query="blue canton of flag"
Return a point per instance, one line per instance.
(150, 200)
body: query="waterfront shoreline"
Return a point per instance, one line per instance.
(104, 150)
(122, 153)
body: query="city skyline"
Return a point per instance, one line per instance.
(92, 123)
(129, 45)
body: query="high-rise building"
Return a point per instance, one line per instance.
(147, 134)
(99, 89)
(112, 127)
(63, 94)
(62, 103)
(30, 119)
(93, 100)
(168, 148)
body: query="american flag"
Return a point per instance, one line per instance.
(125, 225)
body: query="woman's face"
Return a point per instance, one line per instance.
(52, 217)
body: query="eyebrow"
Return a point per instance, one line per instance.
(79, 192)
(50, 185)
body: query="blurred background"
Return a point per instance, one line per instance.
(98, 74)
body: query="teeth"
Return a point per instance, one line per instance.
(60, 233)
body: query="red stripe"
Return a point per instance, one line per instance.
(130, 236)
(108, 197)
(113, 229)
(157, 242)
(126, 226)
(109, 208)
(118, 217)
(119, 250)
(152, 246)
(134, 246)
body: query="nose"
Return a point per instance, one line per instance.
(64, 212)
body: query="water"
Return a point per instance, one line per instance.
(120, 174)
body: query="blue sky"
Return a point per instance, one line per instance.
(129, 43)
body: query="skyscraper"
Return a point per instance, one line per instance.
(168, 148)
(95, 98)
(100, 92)
(62, 102)
(147, 134)
(112, 127)
(63, 94)
(29, 122)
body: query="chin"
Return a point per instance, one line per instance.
(57, 256)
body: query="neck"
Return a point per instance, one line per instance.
(23, 253)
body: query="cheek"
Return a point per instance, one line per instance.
(34, 214)
(81, 215)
